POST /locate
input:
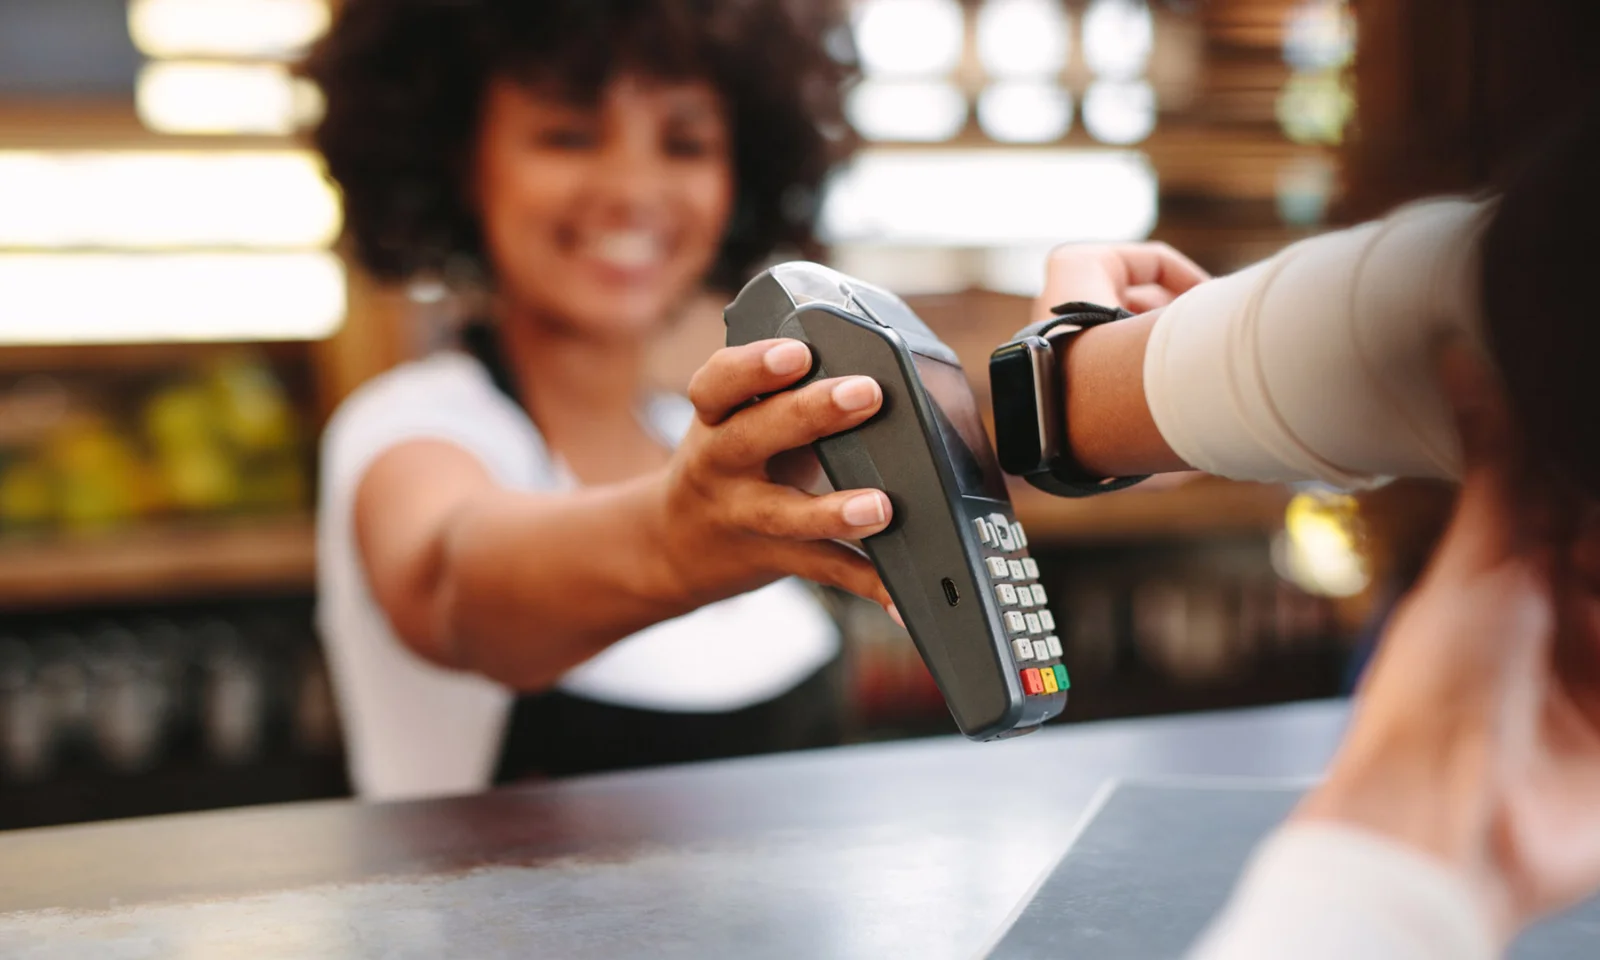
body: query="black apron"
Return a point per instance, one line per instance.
(557, 734)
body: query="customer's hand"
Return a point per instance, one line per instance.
(728, 519)
(1138, 277)
(1476, 737)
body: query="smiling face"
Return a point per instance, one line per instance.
(602, 218)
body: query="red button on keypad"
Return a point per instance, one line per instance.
(1031, 682)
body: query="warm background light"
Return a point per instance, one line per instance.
(1023, 38)
(129, 298)
(992, 198)
(224, 98)
(240, 29)
(908, 111)
(909, 38)
(165, 199)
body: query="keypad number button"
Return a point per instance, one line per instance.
(1008, 594)
(1024, 597)
(998, 568)
(1041, 650)
(1031, 567)
(1018, 571)
(1032, 621)
(1052, 643)
(1023, 649)
(1047, 619)
(1038, 594)
(1014, 622)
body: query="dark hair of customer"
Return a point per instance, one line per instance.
(1540, 308)
(405, 81)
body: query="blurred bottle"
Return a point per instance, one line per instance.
(26, 728)
(234, 695)
(128, 700)
(316, 715)
(63, 681)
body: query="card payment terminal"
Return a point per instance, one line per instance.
(954, 559)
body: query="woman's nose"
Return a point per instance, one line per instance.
(630, 172)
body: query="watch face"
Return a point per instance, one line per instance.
(1020, 383)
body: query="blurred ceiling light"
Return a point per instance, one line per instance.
(907, 111)
(1315, 108)
(1117, 38)
(1122, 112)
(142, 298)
(1025, 112)
(1023, 38)
(1319, 35)
(991, 198)
(242, 29)
(1018, 271)
(141, 200)
(909, 38)
(1319, 550)
(1305, 188)
(217, 98)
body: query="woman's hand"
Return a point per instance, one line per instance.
(1139, 277)
(1476, 737)
(727, 522)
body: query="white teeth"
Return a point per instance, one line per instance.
(627, 249)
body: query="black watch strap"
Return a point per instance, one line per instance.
(1066, 478)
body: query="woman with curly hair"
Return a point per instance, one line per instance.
(528, 563)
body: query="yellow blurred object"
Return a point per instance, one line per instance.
(251, 409)
(200, 478)
(1320, 550)
(178, 417)
(27, 494)
(98, 475)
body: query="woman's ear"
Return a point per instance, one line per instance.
(1478, 402)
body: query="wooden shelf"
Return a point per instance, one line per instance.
(1199, 508)
(159, 563)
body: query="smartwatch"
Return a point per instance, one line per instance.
(1030, 402)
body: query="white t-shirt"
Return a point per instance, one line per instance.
(413, 729)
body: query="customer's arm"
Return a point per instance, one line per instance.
(1315, 364)
(1465, 800)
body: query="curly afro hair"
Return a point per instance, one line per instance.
(404, 82)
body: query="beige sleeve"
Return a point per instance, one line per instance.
(1330, 892)
(1319, 364)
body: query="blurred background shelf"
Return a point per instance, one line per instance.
(1202, 507)
(165, 562)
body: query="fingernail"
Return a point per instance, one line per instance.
(894, 614)
(788, 357)
(856, 393)
(865, 510)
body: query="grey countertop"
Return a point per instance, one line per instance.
(918, 849)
